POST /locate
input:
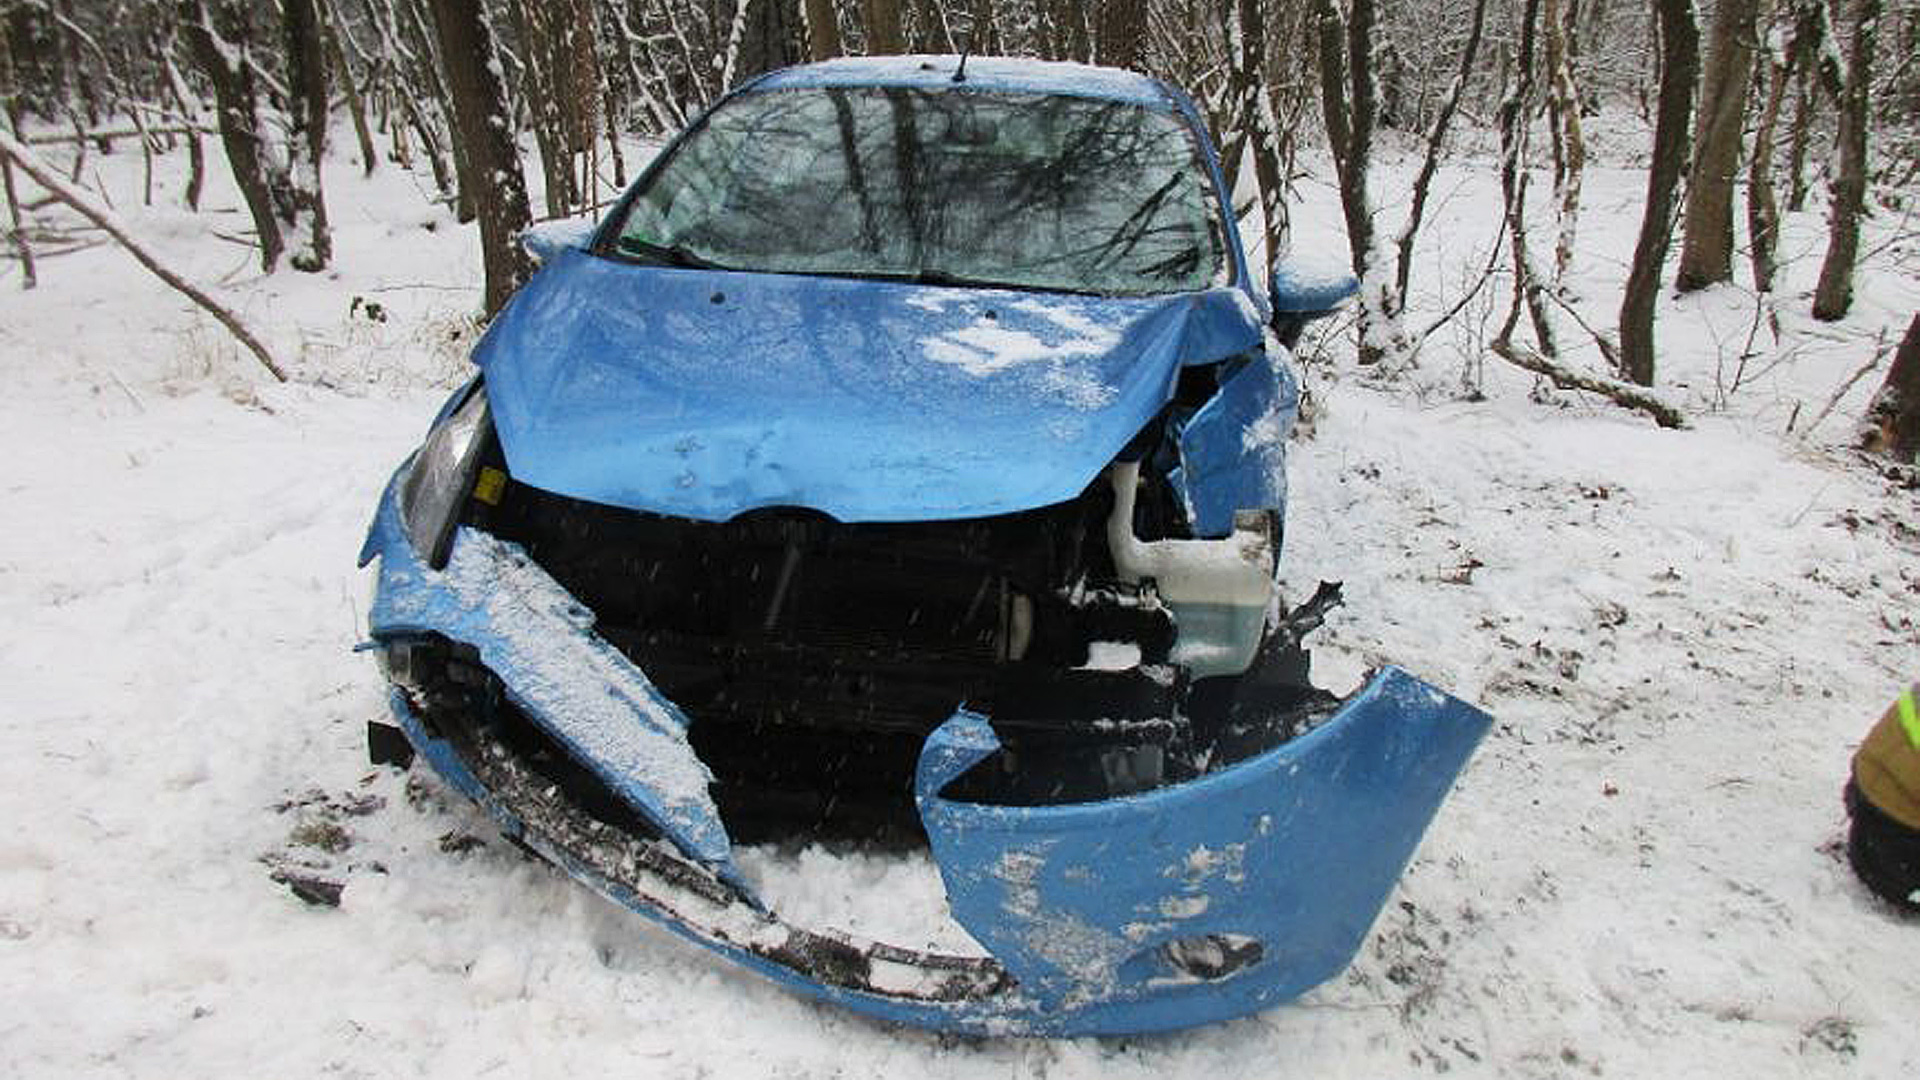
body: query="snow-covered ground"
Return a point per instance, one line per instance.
(1682, 635)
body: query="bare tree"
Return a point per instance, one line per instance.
(1350, 105)
(1773, 73)
(1777, 74)
(1247, 110)
(885, 34)
(1679, 68)
(539, 29)
(426, 104)
(823, 30)
(1123, 33)
(335, 31)
(771, 38)
(480, 109)
(1834, 295)
(307, 141)
(1528, 288)
(220, 38)
(9, 125)
(1706, 252)
(1436, 138)
(1563, 114)
(1893, 416)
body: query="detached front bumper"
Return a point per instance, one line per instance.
(1167, 909)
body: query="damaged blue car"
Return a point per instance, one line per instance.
(903, 457)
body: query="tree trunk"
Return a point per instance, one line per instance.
(582, 93)
(541, 86)
(1436, 138)
(1247, 109)
(1834, 295)
(417, 46)
(932, 33)
(1804, 103)
(1123, 34)
(1819, 67)
(307, 141)
(1071, 15)
(1346, 88)
(10, 125)
(772, 38)
(882, 21)
(480, 111)
(1569, 141)
(219, 42)
(336, 31)
(823, 30)
(1706, 252)
(1893, 417)
(1679, 68)
(19, 228)
(1351, 108)
(1514, 111)
(1763, 207)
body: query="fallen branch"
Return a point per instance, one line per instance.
(41, 253)
(1880, 350)
(86, 207)
(1647, 401)
(82, 135)
(1486, 275)
(1609, 351)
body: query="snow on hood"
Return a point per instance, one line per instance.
(705, 394)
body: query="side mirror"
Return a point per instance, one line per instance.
(1305, 288)
(549, 238)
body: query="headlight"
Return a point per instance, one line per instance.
(442, 474)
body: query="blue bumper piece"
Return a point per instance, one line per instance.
(581, 690)
(1180, 906)
(1206, 900)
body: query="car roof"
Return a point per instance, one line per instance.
(982, 73)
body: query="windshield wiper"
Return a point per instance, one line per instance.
(668, 254)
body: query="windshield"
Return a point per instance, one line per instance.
(1020, 190)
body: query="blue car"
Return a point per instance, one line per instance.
(903, 458)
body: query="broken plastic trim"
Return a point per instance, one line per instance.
(1184, 971)
(1272, 868)
(1178, 906)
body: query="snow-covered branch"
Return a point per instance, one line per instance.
(86, 206)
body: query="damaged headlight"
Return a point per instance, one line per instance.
(442, 473)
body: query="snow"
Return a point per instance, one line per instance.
(592, 697)
(1112, 656)
(983, 73)
(1682, 634)
(984, 348)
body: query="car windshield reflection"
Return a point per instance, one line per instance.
(1018, 190)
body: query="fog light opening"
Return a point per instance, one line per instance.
(1213, 956)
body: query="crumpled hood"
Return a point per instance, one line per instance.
(706, 393)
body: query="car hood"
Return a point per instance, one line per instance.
(706, 394)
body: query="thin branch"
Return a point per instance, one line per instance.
(1881, 348)
(1608, 350)
(1486, 275)
(86, 207)
(1664, 412)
